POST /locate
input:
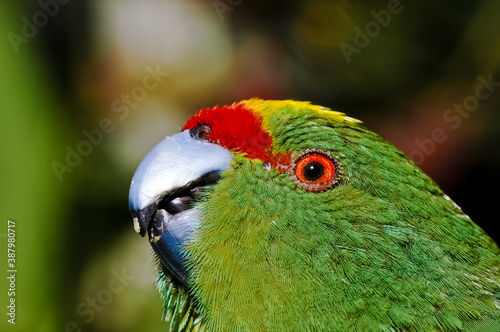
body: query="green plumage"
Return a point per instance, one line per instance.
(385, 250)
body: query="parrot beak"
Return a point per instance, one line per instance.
(165, 186)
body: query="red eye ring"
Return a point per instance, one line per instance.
(315, 170)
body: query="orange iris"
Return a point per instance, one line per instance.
(315, 168)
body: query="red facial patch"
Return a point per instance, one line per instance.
(236, 128)
(240, 129)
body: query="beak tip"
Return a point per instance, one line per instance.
(137, 226)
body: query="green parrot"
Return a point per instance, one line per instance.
(286, 216)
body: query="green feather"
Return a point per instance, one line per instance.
(385, 250)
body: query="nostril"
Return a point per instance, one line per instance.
(201, 132)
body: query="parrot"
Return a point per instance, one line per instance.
(282, 215)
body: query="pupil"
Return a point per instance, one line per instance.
(314, 171)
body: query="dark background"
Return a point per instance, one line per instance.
(76, 76)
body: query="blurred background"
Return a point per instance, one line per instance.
(87, 88)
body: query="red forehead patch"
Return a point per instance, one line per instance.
(235, 128)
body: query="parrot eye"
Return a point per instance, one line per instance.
(315, 171)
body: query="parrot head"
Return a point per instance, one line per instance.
(286, 216)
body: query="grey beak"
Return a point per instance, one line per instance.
(164, 189)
